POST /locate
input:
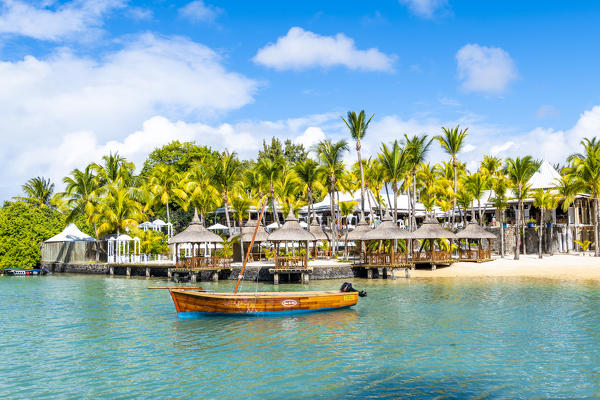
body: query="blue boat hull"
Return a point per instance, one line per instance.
(192, 315)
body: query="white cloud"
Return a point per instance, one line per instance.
(45, 22)
(546, 111)
(199, 11)
(485, 69)
(42, 101)
(424, 8)
(311, 136)
(300, 49)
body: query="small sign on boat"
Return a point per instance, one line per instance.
(289, 303)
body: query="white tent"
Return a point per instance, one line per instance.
(70, 234)
(217, 227)
(545, 177)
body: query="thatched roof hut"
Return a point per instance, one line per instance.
(291, 231)
(387, 230)
(317, 231)
(361, 228)
(431, 229)
(196, 233)
(248, 231)
(474, 231)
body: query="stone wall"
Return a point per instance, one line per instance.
(83, 268)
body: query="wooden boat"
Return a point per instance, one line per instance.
(190, 304)
(196, 302)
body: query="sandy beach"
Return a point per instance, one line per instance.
(554, 267)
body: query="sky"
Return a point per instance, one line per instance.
(80, 79)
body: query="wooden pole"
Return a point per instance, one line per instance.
(241, 275)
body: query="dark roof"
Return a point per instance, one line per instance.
(431, 229)
(291, 231)
(474, 231)
(196, 233)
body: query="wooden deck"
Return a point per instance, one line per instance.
(478, 255)
(291, 265)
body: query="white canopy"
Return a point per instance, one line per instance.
(272, 226)
(217, 227)
(159, 222)
(70, 234)
(303, 224)
(545, 177)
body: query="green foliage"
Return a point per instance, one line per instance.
(584, 245)
(179, 155)
(269, 253)
(291, 152)
(227, 250)
(22, 229)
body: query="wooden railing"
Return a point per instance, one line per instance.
(386, 259)
(204, 262)
(428, 256)
(477, 254)
(289, 262)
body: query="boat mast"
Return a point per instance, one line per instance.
(241, 275)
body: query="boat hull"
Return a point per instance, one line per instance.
(190, 304)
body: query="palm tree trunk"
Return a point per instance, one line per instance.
(369, 194)
(596, 248)
(378, 193)
(518, 216)
(309, 205)
(473, 211)
(273, 207)
(362, 180)
(414, 203)
(479, 211)
(540, 233)
(395, 205)
(568, 231)
(455, 189)
(502, 234)
(332, 221)
(225, 201)
(408, 195)
(168, 213)
(387, 192)
(97, 242)
(241, 241)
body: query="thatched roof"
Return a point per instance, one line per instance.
(474, 231)
(361, 228)
(387, 230)
(248, 230)
(196, 233)
(291, 231)
(317, 231)
(431, 229)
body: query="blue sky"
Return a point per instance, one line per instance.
(82, 78)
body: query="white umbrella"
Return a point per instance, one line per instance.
(303, 224)
(272, 226)
(217, 227)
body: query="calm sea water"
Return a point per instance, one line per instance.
(72, 337)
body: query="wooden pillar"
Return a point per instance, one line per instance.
(215, 276)
(369, 273)
(111, 270)
(148, 272)
(306, 255)
(479, 248)
(169, 273)
(128, 271)
(176, 277)
(276, 278)
(433, 267)
(407, 272)
(305, 278)
(393, 273)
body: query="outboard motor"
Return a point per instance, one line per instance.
(347, 287)
(45, 270)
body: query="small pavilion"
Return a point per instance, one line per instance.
(245, 237)
(291, 231)
(476, 232)
(194, 239)
(320, 236)
(430, 231)
(123, 249)
(388, 234)
(357, 237)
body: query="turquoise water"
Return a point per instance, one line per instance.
(73, 336)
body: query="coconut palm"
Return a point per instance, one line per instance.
(287, 186)
(118, 210)
(201, 194)
(551, 205)
(271, 169)
(416, 149)
(500, 201)
(394, 163)
(38, 191)
(374, 178)
(225, 175)
(567, 188)
(357, 125)
(540, 200)
(309, 179)
(477, 184)
(452, 142)
(165, 186)
(346, 209)
(241, 205)
(114, 168)
(519, 170)
(586, 167)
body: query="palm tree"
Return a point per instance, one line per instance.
(118, 210)
(308, 175)
(540, 200)
(519, 170)
(201, 194)
(551, 205)
(358, 124)
(241, 204)
(165, 184)
(416, 149)
(500, 201)
(226, 173)
(114, 168)
(586, 167)
(346, 209)
(38, 191)
(271, 169)
(568, 187)
(452, 142)
(393, 161)
(286, 187)
(332, 167)
(477, 184)
(374, 178)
